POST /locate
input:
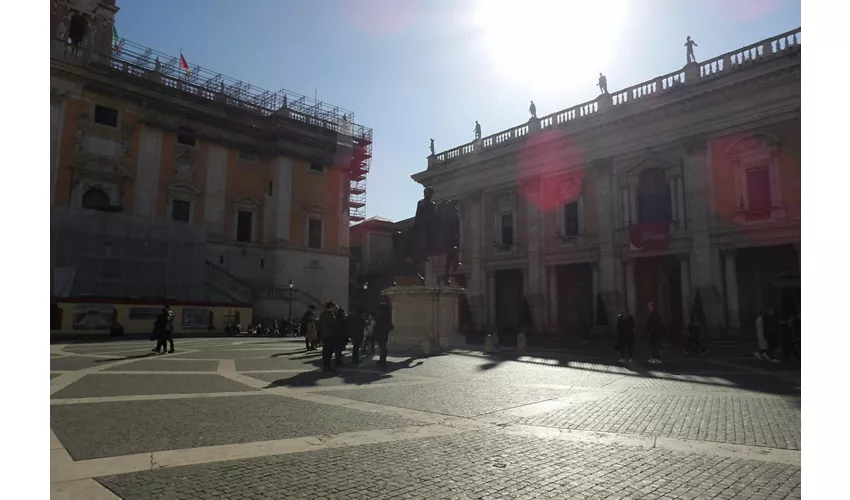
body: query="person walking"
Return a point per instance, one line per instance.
(654, 331)
(169, 330)
(694, 333)
(789, 346)
(342, 339)
(160, 330)
(356, 326)
(308, 329)
(626, 336)
(381, 333)
(368, 339)
(329, 330)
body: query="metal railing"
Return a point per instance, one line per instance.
(140, 61)
(724, 64)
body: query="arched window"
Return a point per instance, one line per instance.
(654, 197)
(95, 199)
(77, 29)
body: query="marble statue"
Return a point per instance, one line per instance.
(603, 84)
(689, 47)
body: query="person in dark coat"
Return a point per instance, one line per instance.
(356, 326)
(654, 332)
(329, 330)
(308, 318)
(694, 333)
(381, 333)
(342, 339)
(771, 334)
(626, 336)
(160, 330)
(789, 346)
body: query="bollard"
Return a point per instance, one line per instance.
(521, 342)
(488, 343)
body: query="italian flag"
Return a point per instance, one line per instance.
(184, 64)
(116, 40)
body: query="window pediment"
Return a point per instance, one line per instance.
(183, 187)
(315, 208)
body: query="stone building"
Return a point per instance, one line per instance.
(373, 267)
(684, 185)
(172, 181)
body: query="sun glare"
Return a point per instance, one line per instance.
(551, 44)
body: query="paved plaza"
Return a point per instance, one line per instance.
(245, 419)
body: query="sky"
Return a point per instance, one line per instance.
(416, 69)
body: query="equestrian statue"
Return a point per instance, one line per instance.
(435, 232)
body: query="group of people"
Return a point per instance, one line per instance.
(334, 328)
(772, 331)
(163, 330)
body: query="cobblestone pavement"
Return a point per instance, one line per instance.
(237, 418)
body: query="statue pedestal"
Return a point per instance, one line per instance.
(425, 318)
(692, 73)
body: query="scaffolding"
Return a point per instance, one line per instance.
(121, 255)
(353, 139)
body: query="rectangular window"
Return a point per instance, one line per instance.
(314, 233)
(507, 225)
(317, 167)
(758, 189)
(244, 220)
(571, 219)
(262, 262)
(106, 116)
(271, 188)
(181, 210)
(221, 259)
(186, 136)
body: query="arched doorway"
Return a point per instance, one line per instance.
(95, 199)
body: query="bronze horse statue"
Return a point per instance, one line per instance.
(430, 236)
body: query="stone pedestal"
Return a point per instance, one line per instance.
(692, 73)
(425, 318)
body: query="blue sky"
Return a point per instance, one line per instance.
(415, 69)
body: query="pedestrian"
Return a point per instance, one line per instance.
(308, 329)
(654, 331)
(694, 333)
(626, 336)
(381, 333)
(789, 346)
(160, 330)
(342, 339)
(329, 330)
(169, 330)
(771, 334)
(356, 326)
(368, 339)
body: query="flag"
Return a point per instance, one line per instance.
(117, 43)
(184, 64)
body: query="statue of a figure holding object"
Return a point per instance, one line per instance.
(689, 47)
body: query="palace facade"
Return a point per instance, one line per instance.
(681, 190)
(169, 181)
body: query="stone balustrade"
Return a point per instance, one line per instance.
(726, 63)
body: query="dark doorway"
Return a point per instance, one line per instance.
(659, 280)
(508, 299)
(575, 298)
(768, 277)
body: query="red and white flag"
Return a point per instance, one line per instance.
(184, 64)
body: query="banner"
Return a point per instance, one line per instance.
(649, 236)
(196, 317)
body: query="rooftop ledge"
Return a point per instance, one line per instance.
(756, 53)
(137, 60)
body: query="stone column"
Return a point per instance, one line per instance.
(595, 267)
(491, 299)
(633, 201)
(631, 291)
(477, 285)
(674, 205)
(687, 302)
(626, 208)
(732, 307)
(553, 298)
(534, 284)
(680, 203)
(431, 272)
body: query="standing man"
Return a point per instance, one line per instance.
(307, 327)
(654, 332)
(329, 330)
(356, 327)
(381, 333)
(169, 330)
